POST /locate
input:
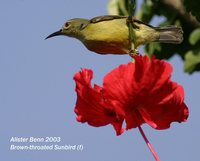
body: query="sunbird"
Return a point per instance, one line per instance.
(110, 34)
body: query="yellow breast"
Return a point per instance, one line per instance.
(107, 37)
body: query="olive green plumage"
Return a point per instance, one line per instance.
(110, 34)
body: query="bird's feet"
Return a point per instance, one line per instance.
(133, 52)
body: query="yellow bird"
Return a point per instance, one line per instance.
(110, 34)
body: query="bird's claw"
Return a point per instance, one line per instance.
(133, 52)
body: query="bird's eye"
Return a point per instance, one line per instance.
(66, 25)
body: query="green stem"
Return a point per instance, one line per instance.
(148, 144)
(131, 7)
(131, 35)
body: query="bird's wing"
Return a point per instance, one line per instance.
(112, 17)
(140, 22)
(106, 18)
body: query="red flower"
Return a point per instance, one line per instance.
(139, 92)
(92, 107)
(145, 92)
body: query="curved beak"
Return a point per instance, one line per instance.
(57, 33)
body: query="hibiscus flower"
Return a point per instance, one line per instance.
(140, 92)
(146, 94)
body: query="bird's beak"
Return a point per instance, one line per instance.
(57, 33)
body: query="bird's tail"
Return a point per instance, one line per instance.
(171, 34)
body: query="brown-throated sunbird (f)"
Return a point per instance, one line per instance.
(110, 34)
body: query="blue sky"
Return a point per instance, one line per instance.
(37, 94)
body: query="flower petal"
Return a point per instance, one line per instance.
(91, 106)
(145, 92)
(139, 92)
(172, 110)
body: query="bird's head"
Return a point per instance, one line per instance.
(72, 28)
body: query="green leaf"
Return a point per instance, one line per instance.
(153, 48)
(192, 61)
(194, 36)
(121, 7)
(112, 7)
(146, 12)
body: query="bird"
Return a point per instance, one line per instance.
(110, 34)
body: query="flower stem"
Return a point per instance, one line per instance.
(148, 144)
